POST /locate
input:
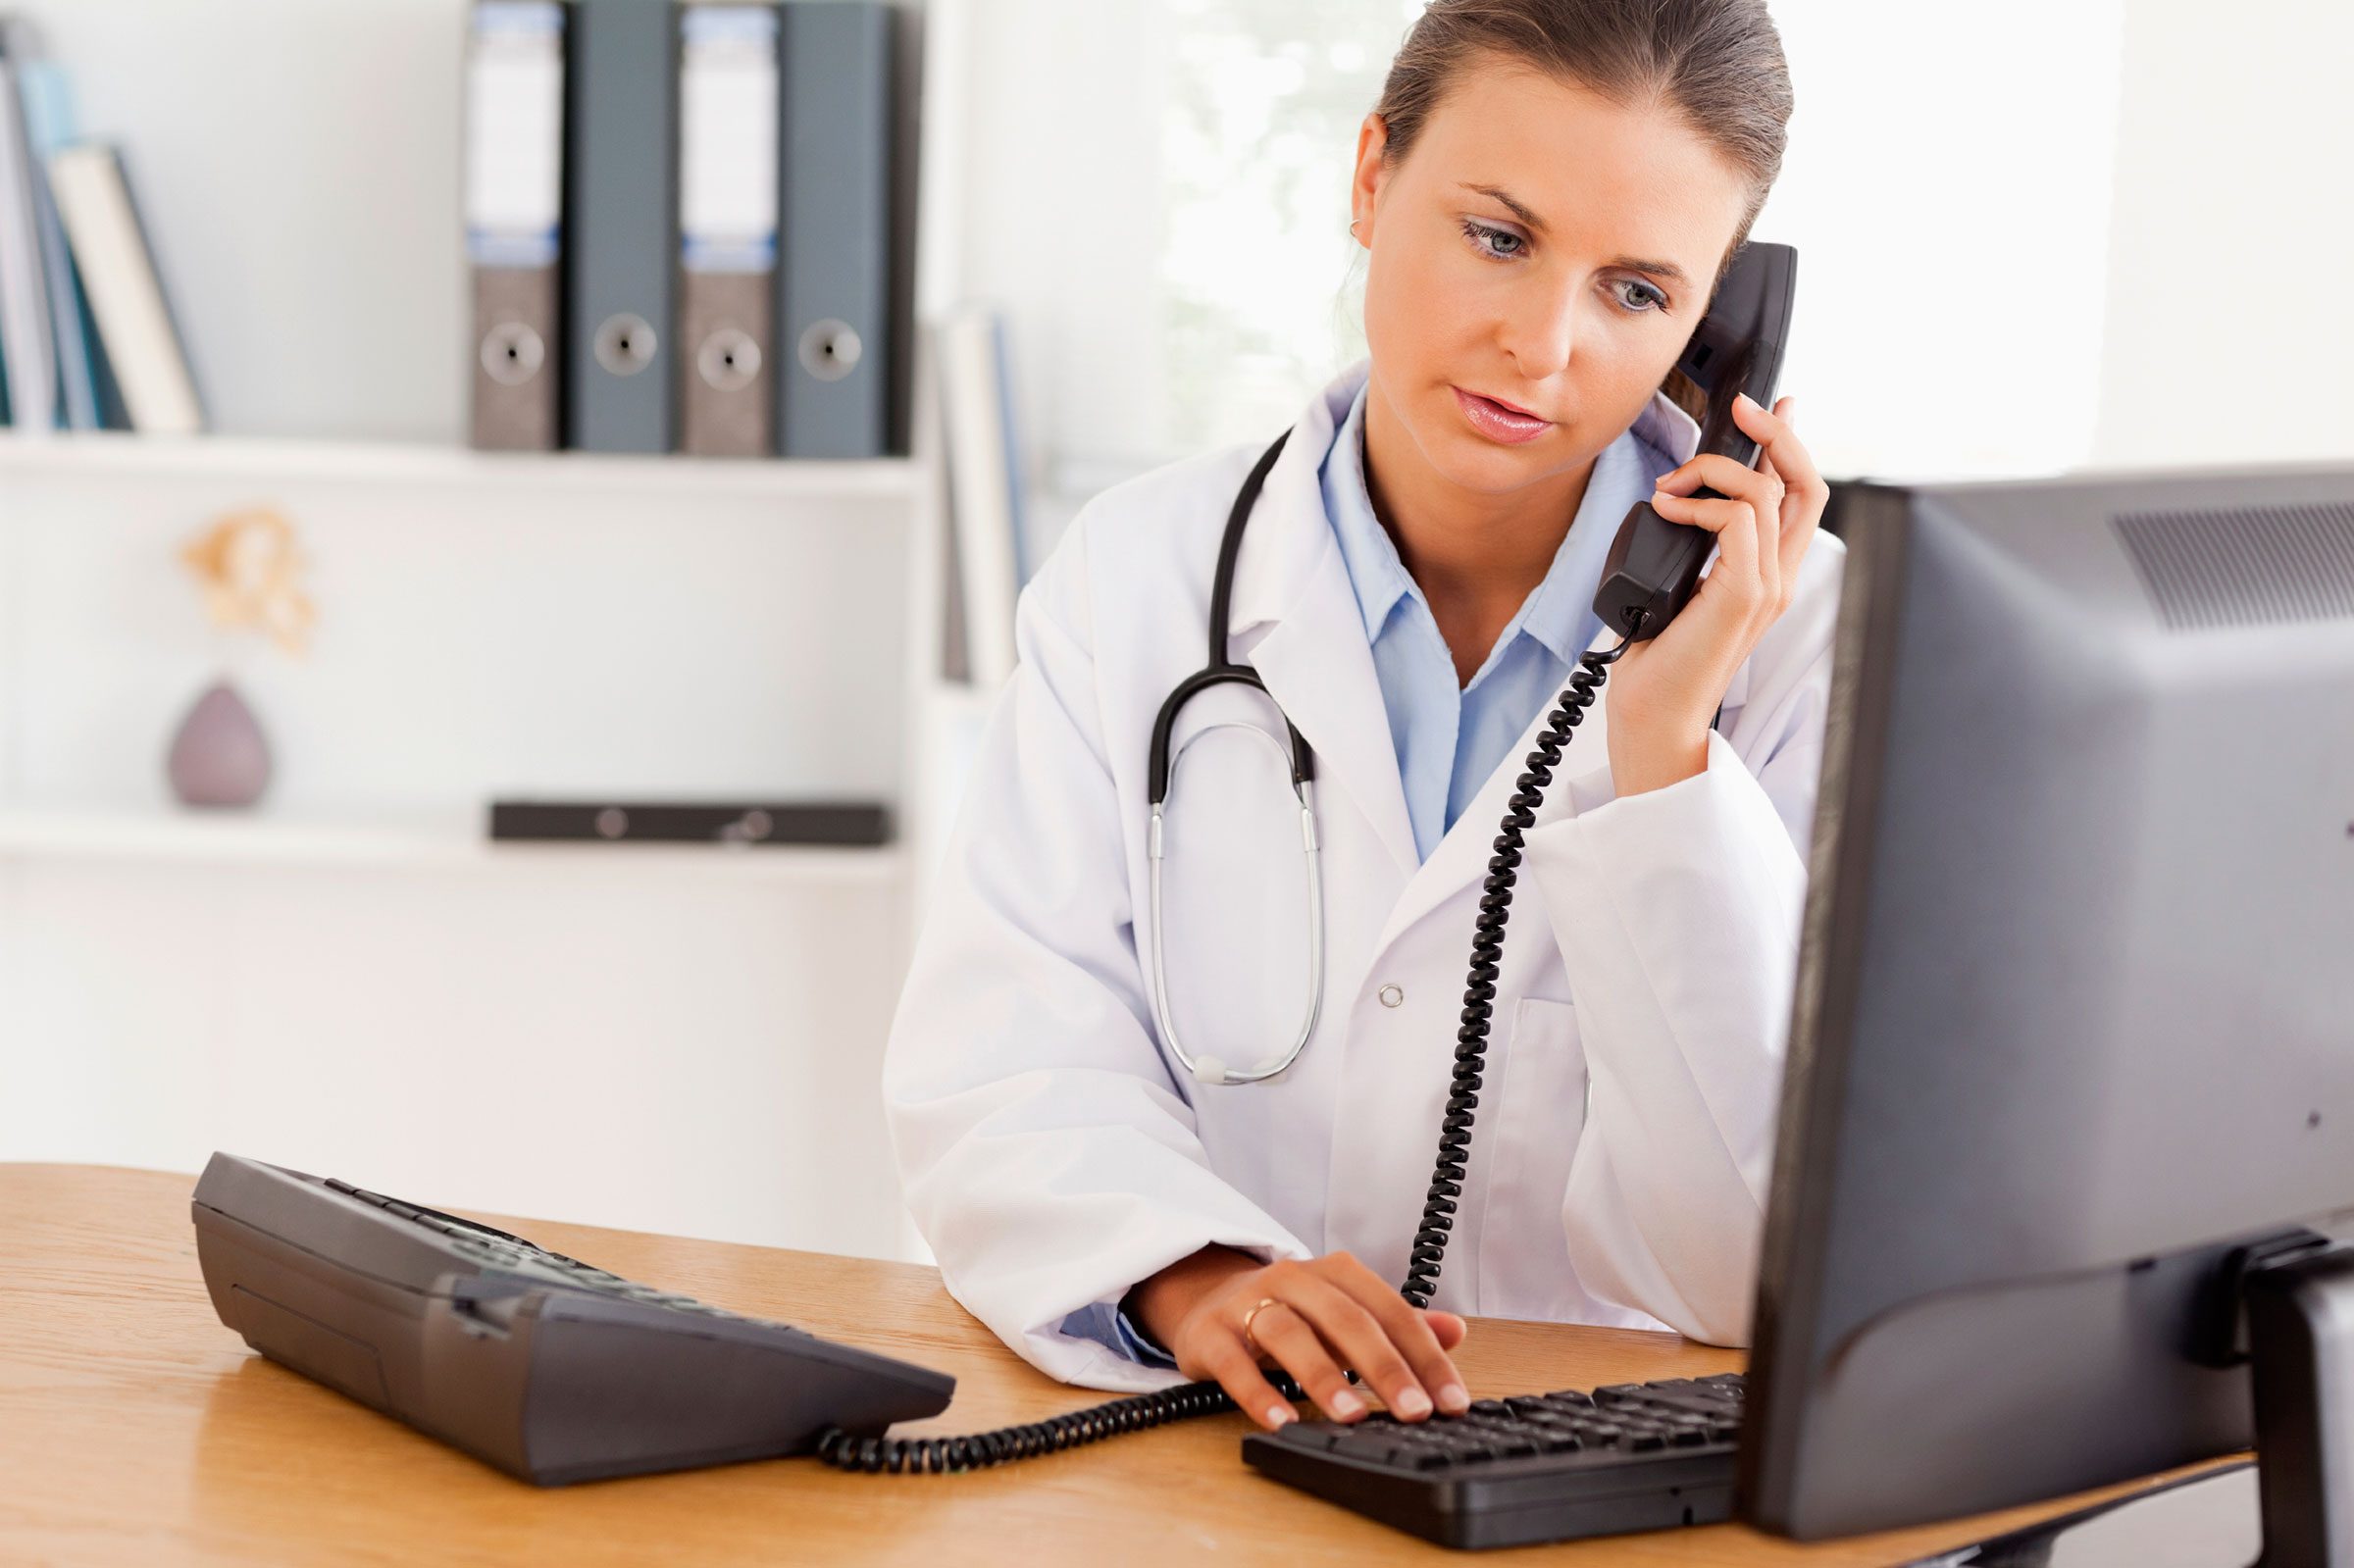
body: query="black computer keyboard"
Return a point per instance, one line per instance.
(1529, 1468)
(551, 1369)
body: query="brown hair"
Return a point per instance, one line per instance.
(1715, 63)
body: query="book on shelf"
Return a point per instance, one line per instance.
(984, 484)
(113, 250)
(56, 255)
(28, 348)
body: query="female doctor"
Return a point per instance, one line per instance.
(1105, 1137)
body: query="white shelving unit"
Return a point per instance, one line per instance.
(99, 454)
(419, 841)
(674, 1038)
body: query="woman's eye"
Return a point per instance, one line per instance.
(1480, 234)
(1648, 299)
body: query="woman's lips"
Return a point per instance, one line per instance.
(1499, 423)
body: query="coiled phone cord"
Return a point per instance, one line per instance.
(935, 1455)
(1487, 946)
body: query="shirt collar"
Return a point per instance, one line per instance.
(1662, 436)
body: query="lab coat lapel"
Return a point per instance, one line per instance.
(1296, 621)
(1462, 856)
(1318, 665)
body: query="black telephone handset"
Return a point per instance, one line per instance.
(1654, 565)
(1652, 568)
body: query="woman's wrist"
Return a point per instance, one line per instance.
(1162, 1302)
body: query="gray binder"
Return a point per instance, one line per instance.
(833, 349)
(515, 78)
(728, 148)
(620, 255)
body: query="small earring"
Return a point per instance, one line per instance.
(1353, 222)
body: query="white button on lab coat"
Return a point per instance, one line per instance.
(1054, 1153)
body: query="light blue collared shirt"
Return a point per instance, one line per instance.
(1450, 739)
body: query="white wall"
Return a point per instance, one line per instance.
(1947, 190)
(623, 1042)
(2230, 315)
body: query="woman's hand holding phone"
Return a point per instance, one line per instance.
(1328, 1313)
(1664, 691)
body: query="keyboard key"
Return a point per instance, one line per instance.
(1703, 1405)
(1316, 1436)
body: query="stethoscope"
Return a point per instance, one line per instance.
(1218, 670)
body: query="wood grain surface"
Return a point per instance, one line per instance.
(137, 1430)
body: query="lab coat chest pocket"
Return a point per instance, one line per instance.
(1234, 887)
(1539, 1111)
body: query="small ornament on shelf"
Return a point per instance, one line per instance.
(247, 563)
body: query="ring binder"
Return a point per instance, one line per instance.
(514, 220)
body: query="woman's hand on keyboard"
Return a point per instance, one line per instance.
(1330, 1312)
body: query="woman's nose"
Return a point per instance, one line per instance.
(1542, 332)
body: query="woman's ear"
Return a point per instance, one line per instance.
(1364, 185)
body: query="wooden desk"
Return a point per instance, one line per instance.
(135, 1429)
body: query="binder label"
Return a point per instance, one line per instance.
(728, 139)
(515, 143)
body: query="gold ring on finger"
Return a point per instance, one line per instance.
(1249, 1343)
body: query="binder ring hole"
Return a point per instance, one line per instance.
(829, 349)
(512, 353)
(728, 360)
(625, 344)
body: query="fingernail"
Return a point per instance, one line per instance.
(1279, 1414)
(1455, 1399)
(1744, 398)
(1414, 1403)
(1345, 1404)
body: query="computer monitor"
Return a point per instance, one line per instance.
(2074, 1007)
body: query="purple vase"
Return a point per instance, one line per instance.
(219, 757)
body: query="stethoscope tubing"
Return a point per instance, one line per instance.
(1162, 771)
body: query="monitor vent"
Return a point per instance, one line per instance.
(2246, 566)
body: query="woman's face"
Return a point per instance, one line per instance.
(1570, 300)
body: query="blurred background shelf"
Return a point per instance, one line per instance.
(451, 837)
(100, 454)
(318, 979)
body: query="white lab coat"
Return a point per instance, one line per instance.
(1053, 1154)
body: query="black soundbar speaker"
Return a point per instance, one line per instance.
(794, 822)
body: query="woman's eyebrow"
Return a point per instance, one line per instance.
(1669, 272)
